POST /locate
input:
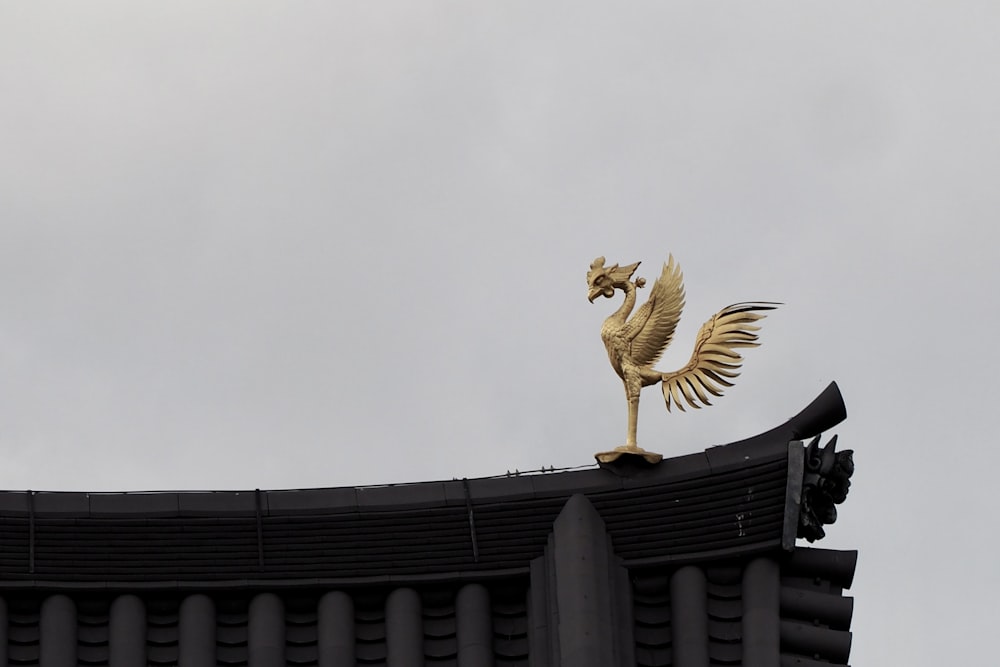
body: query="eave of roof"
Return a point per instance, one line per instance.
(729, 500)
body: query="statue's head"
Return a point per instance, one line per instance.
(603, 280)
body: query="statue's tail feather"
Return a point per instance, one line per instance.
(716, 360)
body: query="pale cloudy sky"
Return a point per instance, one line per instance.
(287, 245)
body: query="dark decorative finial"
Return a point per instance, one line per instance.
(825, 485)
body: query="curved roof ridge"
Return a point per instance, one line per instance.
(148, 492)
(824, 412)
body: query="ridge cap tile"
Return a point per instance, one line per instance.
(754, 450)
(14, 502)
(674, 469)
(62, 503)
(336, 500)
(426, 494)
(515, 487)
(214, 503)
(140, 504)
(454, 492)
(574, 482)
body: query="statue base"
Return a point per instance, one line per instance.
(633, 453)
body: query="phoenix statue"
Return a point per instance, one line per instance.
(636, 343)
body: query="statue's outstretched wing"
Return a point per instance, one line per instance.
(652, 327)
(715, 359)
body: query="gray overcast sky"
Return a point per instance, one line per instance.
(316, 244)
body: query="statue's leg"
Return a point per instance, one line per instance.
(633, 385)
(633, 420)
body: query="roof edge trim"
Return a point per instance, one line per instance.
(793, 494)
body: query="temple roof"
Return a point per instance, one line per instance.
(709, 536)
(704, 506)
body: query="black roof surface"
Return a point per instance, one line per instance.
(684, 509)
(726, 500)
(690, 562)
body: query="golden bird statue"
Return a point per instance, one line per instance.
(636, 343)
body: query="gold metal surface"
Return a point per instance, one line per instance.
(636, 343)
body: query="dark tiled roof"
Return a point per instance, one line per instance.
(685, 509)
(692, 562)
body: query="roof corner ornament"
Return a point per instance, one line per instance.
(825, 484)
(635, 344)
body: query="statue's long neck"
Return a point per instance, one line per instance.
(626, 307)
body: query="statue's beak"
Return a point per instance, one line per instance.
(593, 294)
